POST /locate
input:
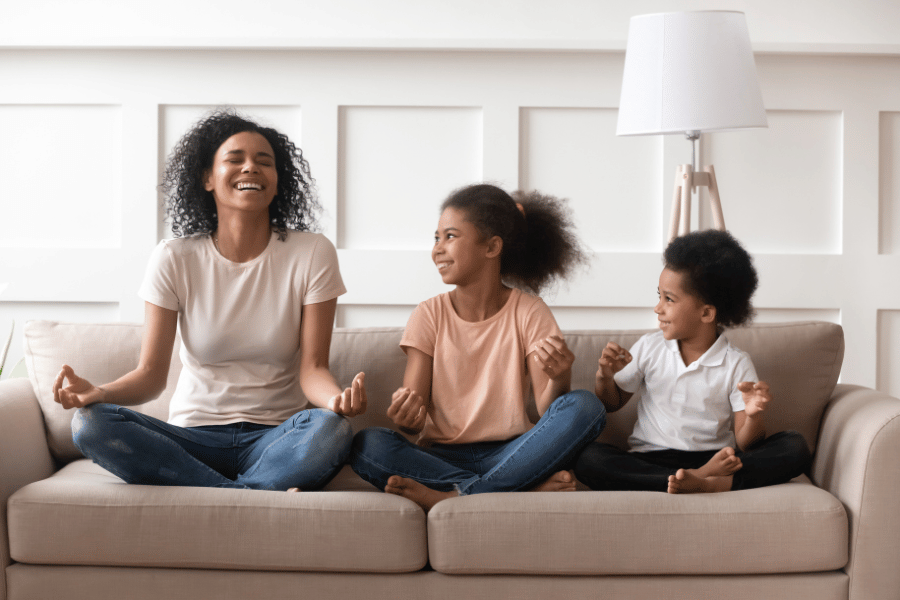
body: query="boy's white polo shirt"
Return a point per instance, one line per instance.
(684, 407)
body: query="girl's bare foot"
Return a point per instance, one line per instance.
(723, 463)
(684, 481)
(561, 481)
(422, 495)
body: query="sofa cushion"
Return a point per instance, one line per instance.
(98, 353)
(84, 515)
(790, 528)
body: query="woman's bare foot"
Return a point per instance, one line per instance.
(561, 481)
(685, 481)
(723, 463)
(422, 495)
(293, 490)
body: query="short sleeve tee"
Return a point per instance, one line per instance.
(684, 407)
(480, 380)
(240, 324)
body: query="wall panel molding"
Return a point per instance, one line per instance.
(389, 133)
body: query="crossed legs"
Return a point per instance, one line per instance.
(777, 459)
(535, 460)
(305, 451)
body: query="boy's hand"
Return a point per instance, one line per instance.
(407, 409)
(612, 360)
(756, 396)
(353, 400)
(554, 355)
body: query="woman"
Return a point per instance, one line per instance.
(254, 294)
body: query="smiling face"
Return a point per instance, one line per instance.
(682, 315)
(243, 175)
(460, 252)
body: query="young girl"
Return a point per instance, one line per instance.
(471, 353)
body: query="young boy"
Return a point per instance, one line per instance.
(700, 397)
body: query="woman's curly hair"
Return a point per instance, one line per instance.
(539, 246)
(716, 269)
(191, 209)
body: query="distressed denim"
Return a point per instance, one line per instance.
(305, 451)
(777, 459)
(572, 421)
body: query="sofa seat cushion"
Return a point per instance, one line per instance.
(84, 515)
(794, 527)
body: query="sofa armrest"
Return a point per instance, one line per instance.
(857, 461)
(24, 455)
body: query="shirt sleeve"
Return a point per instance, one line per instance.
(421, 329)
(538, 325)
(325, 282)
(630, 378)
(159, 286)
(743, 371)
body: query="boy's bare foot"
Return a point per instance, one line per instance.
(684, 481)
(422, 495)
(561, 481)
(723, 463)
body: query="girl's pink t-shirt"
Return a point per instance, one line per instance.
(480, 380)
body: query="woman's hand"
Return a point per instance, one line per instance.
(353, 400)
(80, 392)
(555, 357)
(407, 409)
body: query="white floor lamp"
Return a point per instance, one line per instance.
(690, 73)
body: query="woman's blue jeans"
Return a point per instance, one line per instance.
(305, 451)
(571, 422)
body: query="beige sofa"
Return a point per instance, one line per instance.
(71, 530)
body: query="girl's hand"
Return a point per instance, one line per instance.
(756, 396)
(407, 409)
(555, 357)
(353, 400)
(80, 392)
(612, 360)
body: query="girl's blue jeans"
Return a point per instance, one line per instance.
(305, 451)
(571, 422)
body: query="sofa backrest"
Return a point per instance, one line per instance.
(801, 362)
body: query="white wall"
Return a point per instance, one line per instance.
(395, 106)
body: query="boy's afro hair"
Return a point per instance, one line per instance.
(718, 270)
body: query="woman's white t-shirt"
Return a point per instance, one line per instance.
(240, 324)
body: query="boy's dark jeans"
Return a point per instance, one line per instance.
(776, 459)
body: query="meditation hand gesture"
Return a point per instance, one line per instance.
(612, 360)
(80, 392)
(407, 409)
(352, 401)
(756, 396)
(554, 356)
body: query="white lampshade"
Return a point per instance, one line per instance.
(689, 72)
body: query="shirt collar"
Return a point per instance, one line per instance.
(713, 357)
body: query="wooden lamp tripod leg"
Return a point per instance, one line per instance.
(715, 203)
(685, 179)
